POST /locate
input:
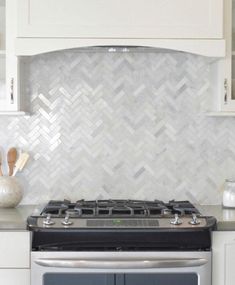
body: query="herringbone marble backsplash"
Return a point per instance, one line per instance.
(121, 125)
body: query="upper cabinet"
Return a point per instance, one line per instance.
(2, 53)
(229, 78)
(187, 25)
(10, 102)
(192, 19)
(224, 93)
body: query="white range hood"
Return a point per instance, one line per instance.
(194, 26)
(210, 48)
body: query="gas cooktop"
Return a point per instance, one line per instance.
(117, 214)
(120, 224)
(118, 208)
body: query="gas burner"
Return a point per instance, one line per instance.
(182, 208)
(57, 208)
(119, 208)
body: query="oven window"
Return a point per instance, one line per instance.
(78, 279)
(120, 279)
(161, 279)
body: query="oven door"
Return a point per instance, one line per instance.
(121, 268)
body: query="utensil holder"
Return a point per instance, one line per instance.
(11, 192)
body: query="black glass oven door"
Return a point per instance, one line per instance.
(158, 279)
(78, 279)
(120, 279)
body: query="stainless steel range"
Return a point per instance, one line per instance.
(121, 242)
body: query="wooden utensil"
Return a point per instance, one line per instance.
(20, 164)
(1, 174)
(11, 159)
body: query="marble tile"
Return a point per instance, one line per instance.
(121, 125)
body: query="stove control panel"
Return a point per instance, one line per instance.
(70, 222)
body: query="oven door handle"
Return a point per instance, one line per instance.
(121, 264)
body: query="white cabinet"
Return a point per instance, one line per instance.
(121, 18)
(223, 264)
(14, 258)
(14, 276)
(2, 54)
(225, 98)
(9, 74)
(14, 249)
(194, 26)
(229, 104)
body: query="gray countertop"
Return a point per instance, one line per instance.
(15, 219)
(225, 216)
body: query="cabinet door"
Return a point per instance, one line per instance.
(121, 18)
(2, 82)
(2, 54)
(14, 249)
(9, 73)
(229, 262)
(223, 258)
(9, 97)
(229, 100)
(14, 276)
(78, 279)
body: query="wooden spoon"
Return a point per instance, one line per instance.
(11, 159)
(1, 174)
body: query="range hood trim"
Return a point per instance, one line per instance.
(34, 46)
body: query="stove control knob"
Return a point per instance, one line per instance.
(194, 220)
(66, 221)
(176, 220)
(47, 221)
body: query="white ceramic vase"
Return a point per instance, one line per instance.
(11, 192)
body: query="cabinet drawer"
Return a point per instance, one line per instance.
(14, 276)
(14, 250)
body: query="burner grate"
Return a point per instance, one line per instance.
(118, 208)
